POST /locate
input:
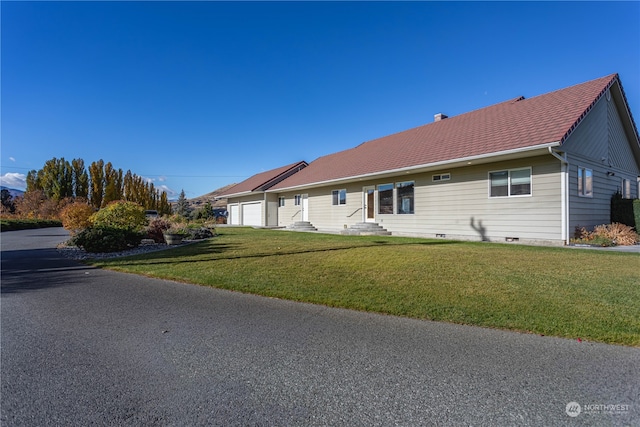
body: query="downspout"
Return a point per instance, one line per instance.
(265, 204)
(564, 190)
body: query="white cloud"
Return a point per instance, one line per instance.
(16, 181)
(12, 159)
(171, 194)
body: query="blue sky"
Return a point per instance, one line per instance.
(198, 95)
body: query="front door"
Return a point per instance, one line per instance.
(305, 207)
(368, 204)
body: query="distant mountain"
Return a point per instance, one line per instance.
(14, 193)
(211, 198)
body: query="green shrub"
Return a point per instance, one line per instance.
(10, 224)
(622, 210)
(120, 215)
(199, 233)
(107, 239)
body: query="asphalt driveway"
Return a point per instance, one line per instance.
(83, 346)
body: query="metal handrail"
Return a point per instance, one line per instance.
(354, 212)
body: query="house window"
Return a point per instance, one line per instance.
(281, 201)
(514, 182)
(441, 177)
(585, 182)
(385, 199)
(296, 199)
(339, 197)
(626, 188)
(404, 194)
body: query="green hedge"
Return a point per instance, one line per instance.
(27, 224)
(625, 211)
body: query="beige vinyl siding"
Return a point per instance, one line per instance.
(271, 209)
(462, 208)
(289, 213)
(322, 213)
(459, 208)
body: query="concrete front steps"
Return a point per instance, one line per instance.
(302, 226)
(366, 229)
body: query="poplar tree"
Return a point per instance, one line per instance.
(113, 183)
(80, 179)
(96, 176)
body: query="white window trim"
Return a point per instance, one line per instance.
(441, 177)
(345, 197)
(297, 200)
(396, 207)
(625, 186)
(509, 183)
(583, 194)
(393, 198)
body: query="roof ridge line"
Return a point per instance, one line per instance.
(614, 78)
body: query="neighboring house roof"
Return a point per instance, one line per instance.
(263, 180)
(518, 124)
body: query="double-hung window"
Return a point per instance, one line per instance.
(509, 183)
(297, 199)
(281, 201)
(585, 182)
(339, 197)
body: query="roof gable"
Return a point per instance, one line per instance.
(511, 125)
(264, 180)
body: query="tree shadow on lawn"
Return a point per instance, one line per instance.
(170, 257)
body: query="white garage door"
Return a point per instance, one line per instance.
(252, 213)
(234, 214)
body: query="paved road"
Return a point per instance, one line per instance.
(83, 346)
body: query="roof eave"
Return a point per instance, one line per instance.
(458, 162)
(240, 194)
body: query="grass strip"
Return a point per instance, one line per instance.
(10, 224)
(592, 295)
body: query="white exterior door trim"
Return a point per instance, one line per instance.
(369, 203)
(304, 205)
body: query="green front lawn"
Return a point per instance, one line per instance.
(587, 294)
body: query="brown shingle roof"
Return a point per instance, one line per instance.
(515, 124)
(263, 180)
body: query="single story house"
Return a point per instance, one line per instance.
(248, 203)
(524, 170)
